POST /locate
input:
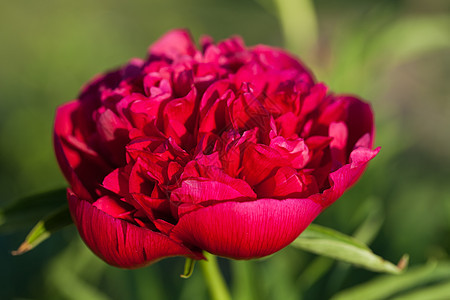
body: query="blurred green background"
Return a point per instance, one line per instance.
(395, 54)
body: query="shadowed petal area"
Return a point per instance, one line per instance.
(346, 176)
(118, 242)
(68, 171)
(72, 152)
(359, 121)
(244, 230)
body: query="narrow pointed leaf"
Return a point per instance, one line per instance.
(44, 228)
(437, 291)
(328, 242)
(419, 279)
(25, 212)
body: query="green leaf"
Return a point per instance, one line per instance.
(44, 228)
(25, 212)
(384, 287)
(328, 242)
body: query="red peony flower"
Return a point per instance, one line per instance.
(227, 149)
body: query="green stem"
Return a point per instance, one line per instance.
(299, 25)
(214, 279)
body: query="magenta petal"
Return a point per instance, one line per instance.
(244, 230)
(173, 44)
(120, 243)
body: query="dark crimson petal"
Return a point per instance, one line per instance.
(113, 135)
(217, 116)
(120, 243)
(68, 171)
(244, 230)
(183, 82)
(152, 206)
(92, 90)
(73, 154)
(359, 121)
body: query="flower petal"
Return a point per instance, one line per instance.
(73, 154)
(173, 44)
(120, 243)
(68, 171)
(259, 162)
(359, 121)
(244, 230)
(346, 176)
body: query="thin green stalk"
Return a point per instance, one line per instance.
(214, 279)
(299, 24)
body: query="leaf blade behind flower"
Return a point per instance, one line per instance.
(53, 222)
(330, 243)
(427, 280)
(25, 212)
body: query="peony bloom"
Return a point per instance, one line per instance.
(227, 149)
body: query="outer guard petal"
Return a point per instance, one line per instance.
(68, 171)
(118, 242)
(244, 230)
(74, 155)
